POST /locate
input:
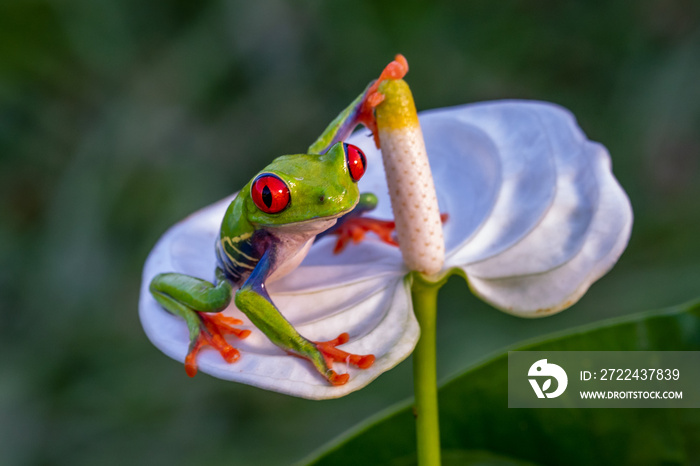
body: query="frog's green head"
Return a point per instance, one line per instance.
(302, 188)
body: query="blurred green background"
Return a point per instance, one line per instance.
(118, 118)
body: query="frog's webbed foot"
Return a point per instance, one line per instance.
(199, 303)
(352, 227)
(397, 69)
(254, 301)
(211, 332)
(354, 230)
(332, 354)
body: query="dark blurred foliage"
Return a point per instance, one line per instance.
(118, 118)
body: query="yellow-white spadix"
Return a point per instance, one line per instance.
(411, 188)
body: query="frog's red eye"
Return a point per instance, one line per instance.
(357, 162)
(270, 194)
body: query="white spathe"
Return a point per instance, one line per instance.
(535, 217)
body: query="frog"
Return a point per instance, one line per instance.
(266, 232)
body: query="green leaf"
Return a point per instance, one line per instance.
(466, 458)
(475, 418)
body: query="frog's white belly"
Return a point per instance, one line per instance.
(294, 243)
(291, 262)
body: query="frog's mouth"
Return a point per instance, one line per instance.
(313, 225)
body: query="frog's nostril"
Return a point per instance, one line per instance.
(321, 199)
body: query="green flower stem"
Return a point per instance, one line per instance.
(424, 294)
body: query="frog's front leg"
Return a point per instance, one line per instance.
(194, 300)
(360, 110)
(352, 226)
(254, 301)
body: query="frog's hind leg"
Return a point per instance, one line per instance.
(254, 301)
(198, 302)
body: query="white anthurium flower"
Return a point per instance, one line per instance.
(535, 217)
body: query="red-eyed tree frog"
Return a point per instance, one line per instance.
(266, 233)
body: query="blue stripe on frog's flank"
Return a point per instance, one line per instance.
(238, 256)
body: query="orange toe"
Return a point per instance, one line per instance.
(397, 69)
(332, 354)
(213, 329)
(354, 229)
(338, 379)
